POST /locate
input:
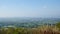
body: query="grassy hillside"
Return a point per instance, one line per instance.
(44, 29)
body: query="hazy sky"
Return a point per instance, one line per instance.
(30, 8)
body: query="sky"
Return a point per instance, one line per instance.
(30, 8)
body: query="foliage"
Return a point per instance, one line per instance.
(58, 24)
(39, 30)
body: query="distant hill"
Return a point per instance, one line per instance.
(27, 22)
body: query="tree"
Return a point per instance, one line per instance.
(58, 24)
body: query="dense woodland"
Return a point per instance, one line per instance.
(44, 29)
